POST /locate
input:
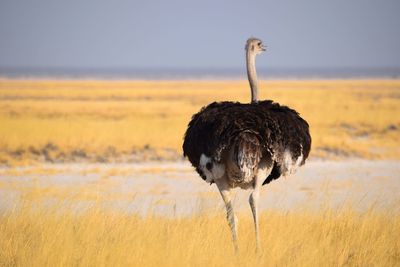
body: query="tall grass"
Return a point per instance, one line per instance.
(36, 236)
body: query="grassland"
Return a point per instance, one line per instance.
(63, 215)
(139, 120)
(63, 237)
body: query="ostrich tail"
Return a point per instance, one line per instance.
(247, 153)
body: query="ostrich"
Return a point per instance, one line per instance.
(246, 145)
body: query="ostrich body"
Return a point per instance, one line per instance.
(246, 145)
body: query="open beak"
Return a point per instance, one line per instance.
(263, 47)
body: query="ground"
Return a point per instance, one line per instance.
(91, 173)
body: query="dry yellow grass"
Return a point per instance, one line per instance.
(101, 120)
(60, 236)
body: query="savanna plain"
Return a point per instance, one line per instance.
(91, 174)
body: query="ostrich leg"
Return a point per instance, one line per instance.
(263, 172)
(226, 194)
(253, 200)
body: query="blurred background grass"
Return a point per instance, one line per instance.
(62, 121)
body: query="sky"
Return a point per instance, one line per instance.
(198, 34)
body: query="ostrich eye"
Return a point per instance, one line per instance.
(259, 43)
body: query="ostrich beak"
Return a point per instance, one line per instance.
(263, 47)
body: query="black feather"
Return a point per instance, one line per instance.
(262, 130)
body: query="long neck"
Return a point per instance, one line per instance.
(252, 75)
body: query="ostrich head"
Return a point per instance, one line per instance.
(255, 46)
